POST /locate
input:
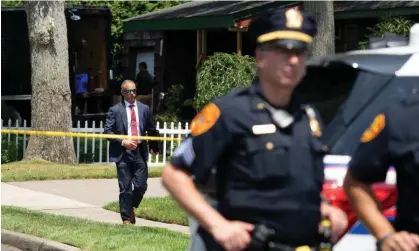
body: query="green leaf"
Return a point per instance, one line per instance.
(12, 3)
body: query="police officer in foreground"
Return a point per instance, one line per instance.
(392, 139)
(263, 143)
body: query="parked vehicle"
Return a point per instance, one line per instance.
(350, 89)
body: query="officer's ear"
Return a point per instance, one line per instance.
(259, 56)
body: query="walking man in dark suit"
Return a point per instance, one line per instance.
(131, 118)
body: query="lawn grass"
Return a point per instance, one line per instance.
(44, 170)
(162, 209)
(91, 236)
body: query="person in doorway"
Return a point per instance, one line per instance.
(131, 118)
(144, 81)
(264, 146)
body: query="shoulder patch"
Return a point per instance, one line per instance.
(205, 119)
(374, 129)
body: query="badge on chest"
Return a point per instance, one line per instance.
(263, 129)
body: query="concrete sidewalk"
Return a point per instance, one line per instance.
(78, 198)
(96, 192)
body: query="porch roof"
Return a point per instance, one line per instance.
(374, 9)
(223, 14)
(201, 15)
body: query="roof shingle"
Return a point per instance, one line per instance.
(203, 8)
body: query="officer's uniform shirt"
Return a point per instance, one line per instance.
(265, 174)
(393, 140)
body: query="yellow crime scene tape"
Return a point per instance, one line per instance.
(87, 135)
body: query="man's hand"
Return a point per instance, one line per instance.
(401, 241)
(129, 144)
(338, 218)
(233, 235)
(153, 152)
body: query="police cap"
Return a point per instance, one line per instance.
(289, 28)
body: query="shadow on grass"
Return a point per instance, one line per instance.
(162, 209)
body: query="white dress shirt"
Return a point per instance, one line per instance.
(128, 109)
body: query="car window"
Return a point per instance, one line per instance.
(343, 138)
(347, 99)
(327, 88)
(367, 86)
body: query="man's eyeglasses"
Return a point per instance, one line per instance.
(130, 91)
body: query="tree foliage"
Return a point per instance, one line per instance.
(12, 3)
(120, 10)
(220, 74)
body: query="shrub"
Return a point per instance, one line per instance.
(5, 155)
(397, 25)
(8, 149)
(172, 103)
(174, 98)
(220, 74)
(166, 116)
(9, 154)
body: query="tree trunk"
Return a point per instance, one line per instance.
(323, 12)
(51, 95)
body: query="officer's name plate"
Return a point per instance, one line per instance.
(264, 129)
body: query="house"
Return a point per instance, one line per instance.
(174, 41)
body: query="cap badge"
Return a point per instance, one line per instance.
(294, 19)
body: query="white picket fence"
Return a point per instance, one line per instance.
(173, 131)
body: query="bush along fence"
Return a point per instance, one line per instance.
(91, 150)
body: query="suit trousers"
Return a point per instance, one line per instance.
(132, 172)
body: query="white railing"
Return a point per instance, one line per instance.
(99, 148)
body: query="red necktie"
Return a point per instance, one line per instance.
(134, 129)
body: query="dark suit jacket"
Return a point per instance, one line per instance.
(117, 123)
